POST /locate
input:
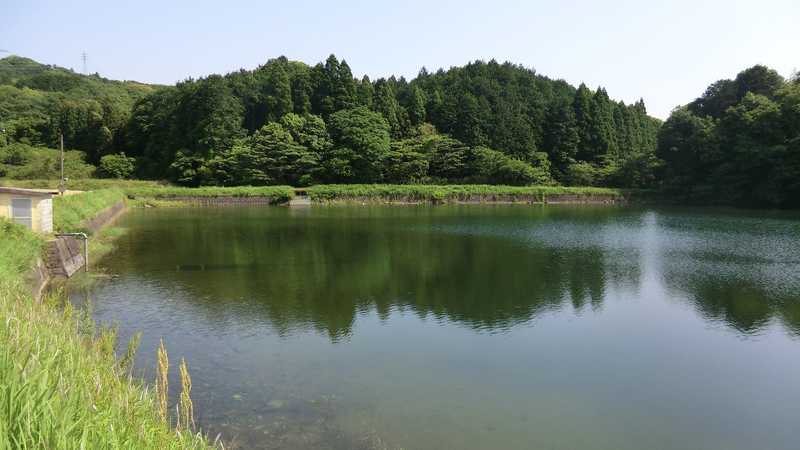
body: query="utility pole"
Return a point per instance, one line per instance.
(62, 184)
(83, 57)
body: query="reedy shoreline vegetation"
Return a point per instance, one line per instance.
(61, 383)
(377, 192)
(450, 193)
(275, 194)
(113, 190)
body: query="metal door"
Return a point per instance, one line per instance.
(22, 211)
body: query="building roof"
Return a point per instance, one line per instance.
(28, 192)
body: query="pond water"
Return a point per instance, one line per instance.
(469, 327)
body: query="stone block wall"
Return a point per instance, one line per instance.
(64, 256)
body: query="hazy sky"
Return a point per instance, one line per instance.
(666, 52)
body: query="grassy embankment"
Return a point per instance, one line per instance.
(154, 190)
(451, 193)
(61, 385)
(275, 194)
(83, 184)
(379, 193)
(151, 190)
(71, 213)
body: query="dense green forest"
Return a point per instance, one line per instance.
(37, 100)
(290, 123)
(739, 143)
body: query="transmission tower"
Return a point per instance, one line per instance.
(84, 58)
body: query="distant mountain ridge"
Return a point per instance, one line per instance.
(25, 72)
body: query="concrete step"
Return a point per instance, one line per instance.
(300, 200)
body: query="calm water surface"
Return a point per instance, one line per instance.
(470, 327)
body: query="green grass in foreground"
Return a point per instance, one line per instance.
(18, 250)
(61, 386)
(416, 193)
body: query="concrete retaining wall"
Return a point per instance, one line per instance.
(105, 217)
(64, 255)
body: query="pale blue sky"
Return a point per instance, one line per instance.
(666, 52)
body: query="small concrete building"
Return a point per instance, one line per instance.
(30, 207)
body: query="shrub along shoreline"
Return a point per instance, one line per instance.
(61, 384)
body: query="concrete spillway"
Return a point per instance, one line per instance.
(300, 200)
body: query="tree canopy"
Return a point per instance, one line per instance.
(739, 143)
(288, 122)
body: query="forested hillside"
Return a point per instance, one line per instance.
(739, 143)
(287, 122)
(37, 100)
